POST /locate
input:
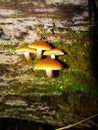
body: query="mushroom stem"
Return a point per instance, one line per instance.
(39, 53)
(27, 56)
(52, 56)
(49, 73)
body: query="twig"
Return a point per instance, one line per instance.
(79, 122)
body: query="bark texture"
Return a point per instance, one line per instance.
(19, 19)
(24, 94)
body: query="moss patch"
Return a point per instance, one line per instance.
(57, 98)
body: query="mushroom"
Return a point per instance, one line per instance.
(53, 52)
(49, 65)
(40, 46)
(26, 51)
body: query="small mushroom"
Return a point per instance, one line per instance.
(40, 46)
(26, 51)
(53, 52)
(49, 65)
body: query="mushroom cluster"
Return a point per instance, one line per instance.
(49, 63)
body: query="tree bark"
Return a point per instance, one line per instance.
(30, 95)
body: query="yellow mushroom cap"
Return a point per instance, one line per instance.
(42, 45)
(26, 51)
(54, 51)
(48, 64)
(25, 48)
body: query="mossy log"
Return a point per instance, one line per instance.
(27, 94)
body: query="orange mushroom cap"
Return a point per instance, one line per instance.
(26, 51)
(42, 45)
(24, 48)
(53, 52)
(39, 46)
(49, 65)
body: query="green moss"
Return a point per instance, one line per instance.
(67, 85)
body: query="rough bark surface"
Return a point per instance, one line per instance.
(31, 97)
(18, 19)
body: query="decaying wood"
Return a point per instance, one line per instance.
(18, 19)
(23, 22)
